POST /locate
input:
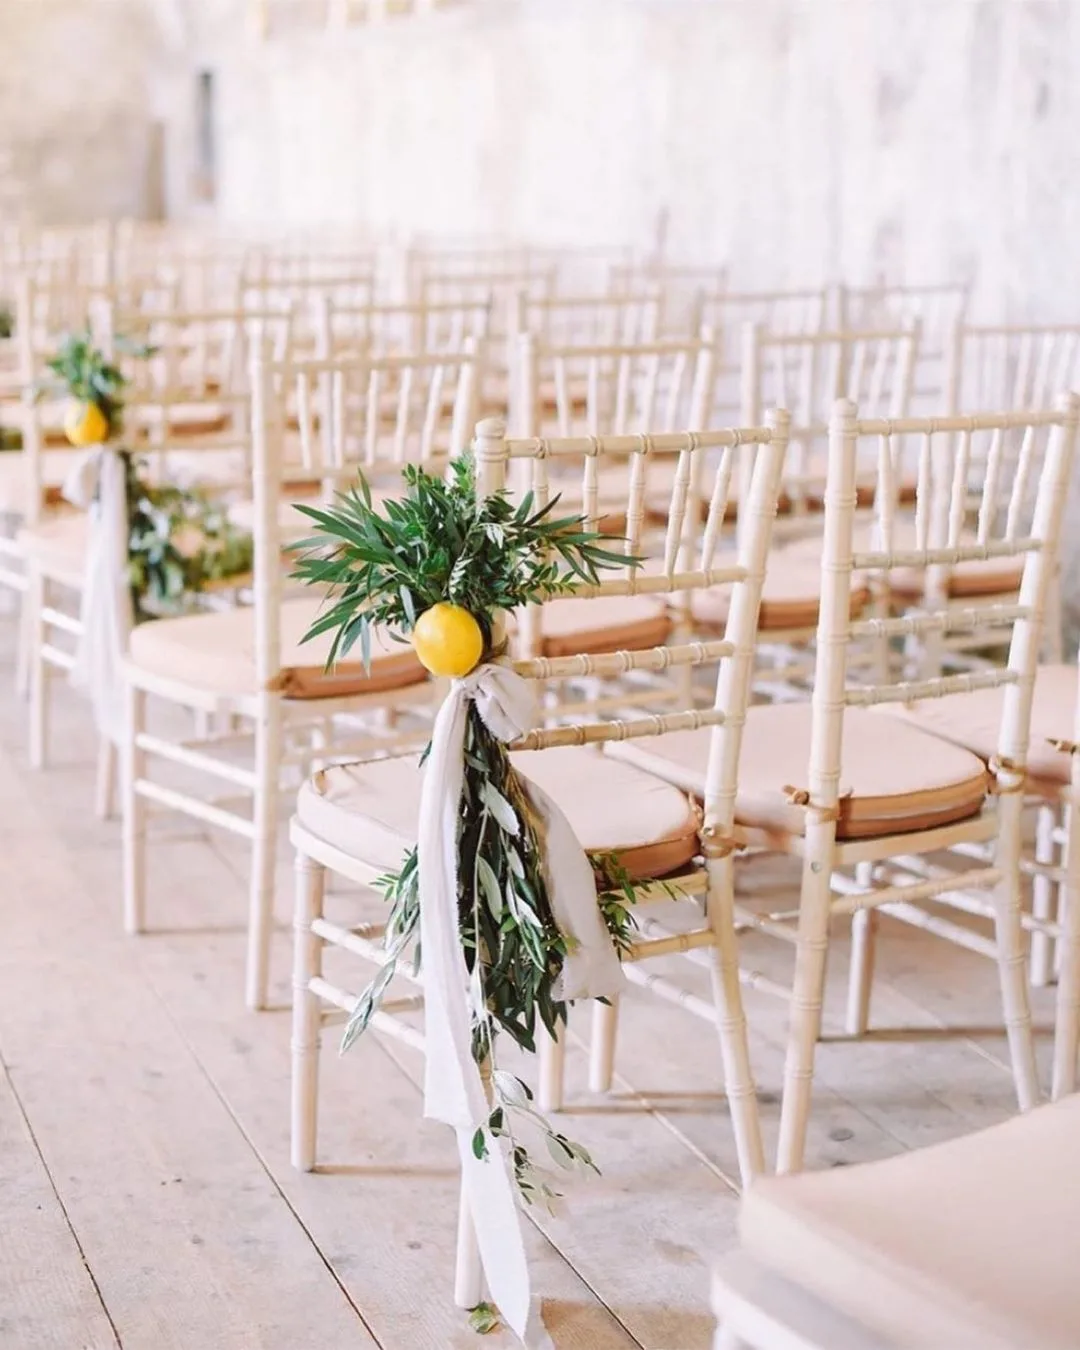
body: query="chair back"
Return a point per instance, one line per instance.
(588, 320)
(1010, 366)
(678, 573)
(617, 388)
(1017, 520)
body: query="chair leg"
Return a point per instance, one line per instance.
(804, 1028)
(739, 1085)
(551, 1053)
(105, 786)
(133, 813)
(1042, 898)
(306, 1012)
(864, 923)
(264, 853)
(468, 1271)
(22, 650)
(605, 1028)
(1011, 954)
(1067, 1018)
(36, 593)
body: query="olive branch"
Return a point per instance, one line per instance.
(442, 542)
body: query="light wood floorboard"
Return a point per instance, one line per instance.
(144, 1171)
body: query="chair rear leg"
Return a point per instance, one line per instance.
(864, 924)
(133, 813)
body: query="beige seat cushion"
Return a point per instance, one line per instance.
(370, 810)
(968, 1245)
(974, 721)
(892, 781)
(57, 545)
(614, 623)
(216, 652)
(790, 596)
(185, 420)
(994, 576)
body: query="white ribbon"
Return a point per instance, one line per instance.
(453, 1090)
(97, 483)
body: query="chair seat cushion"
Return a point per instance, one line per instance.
(57, 546)
(216, 652)
(968, 1245)
(370, 811)
(992, 576)
(974, 721)
(790, 597)
(615, 623)
(892, 781)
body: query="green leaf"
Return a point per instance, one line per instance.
(490, 883)
(484, 1318)
(500, 808)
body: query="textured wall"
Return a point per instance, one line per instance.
(801, 138)
(79, 107)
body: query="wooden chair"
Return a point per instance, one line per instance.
(969, 1245)
(848, 790)
(251, 664)
(190, 423)
(357, 821)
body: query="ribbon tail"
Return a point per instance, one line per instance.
(105, 609)
(591, 967)
(453, 1089)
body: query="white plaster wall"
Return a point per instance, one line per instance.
(80, 101)
(801, 139)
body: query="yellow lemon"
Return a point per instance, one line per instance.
(448, 640)
(85, 424)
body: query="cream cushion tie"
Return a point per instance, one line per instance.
(98, 484)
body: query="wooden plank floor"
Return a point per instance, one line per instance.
(145, 1192)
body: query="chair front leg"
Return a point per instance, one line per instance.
(605, 1030)
(808, 991)
(306, 1011)
(264, 852)
(551, 1055)
(739, 1084)
(1011, 953)
(1067, 1017)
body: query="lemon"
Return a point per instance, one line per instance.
(448, 640)
(85, 424)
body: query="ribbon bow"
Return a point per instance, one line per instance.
(97, 483)
(453, 1090)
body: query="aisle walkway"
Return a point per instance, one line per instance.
(146, 1199)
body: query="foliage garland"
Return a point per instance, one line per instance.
(180, 540)
(441, 542)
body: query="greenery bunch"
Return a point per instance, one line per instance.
(81, 369)
(180, 540)
(442, 542)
